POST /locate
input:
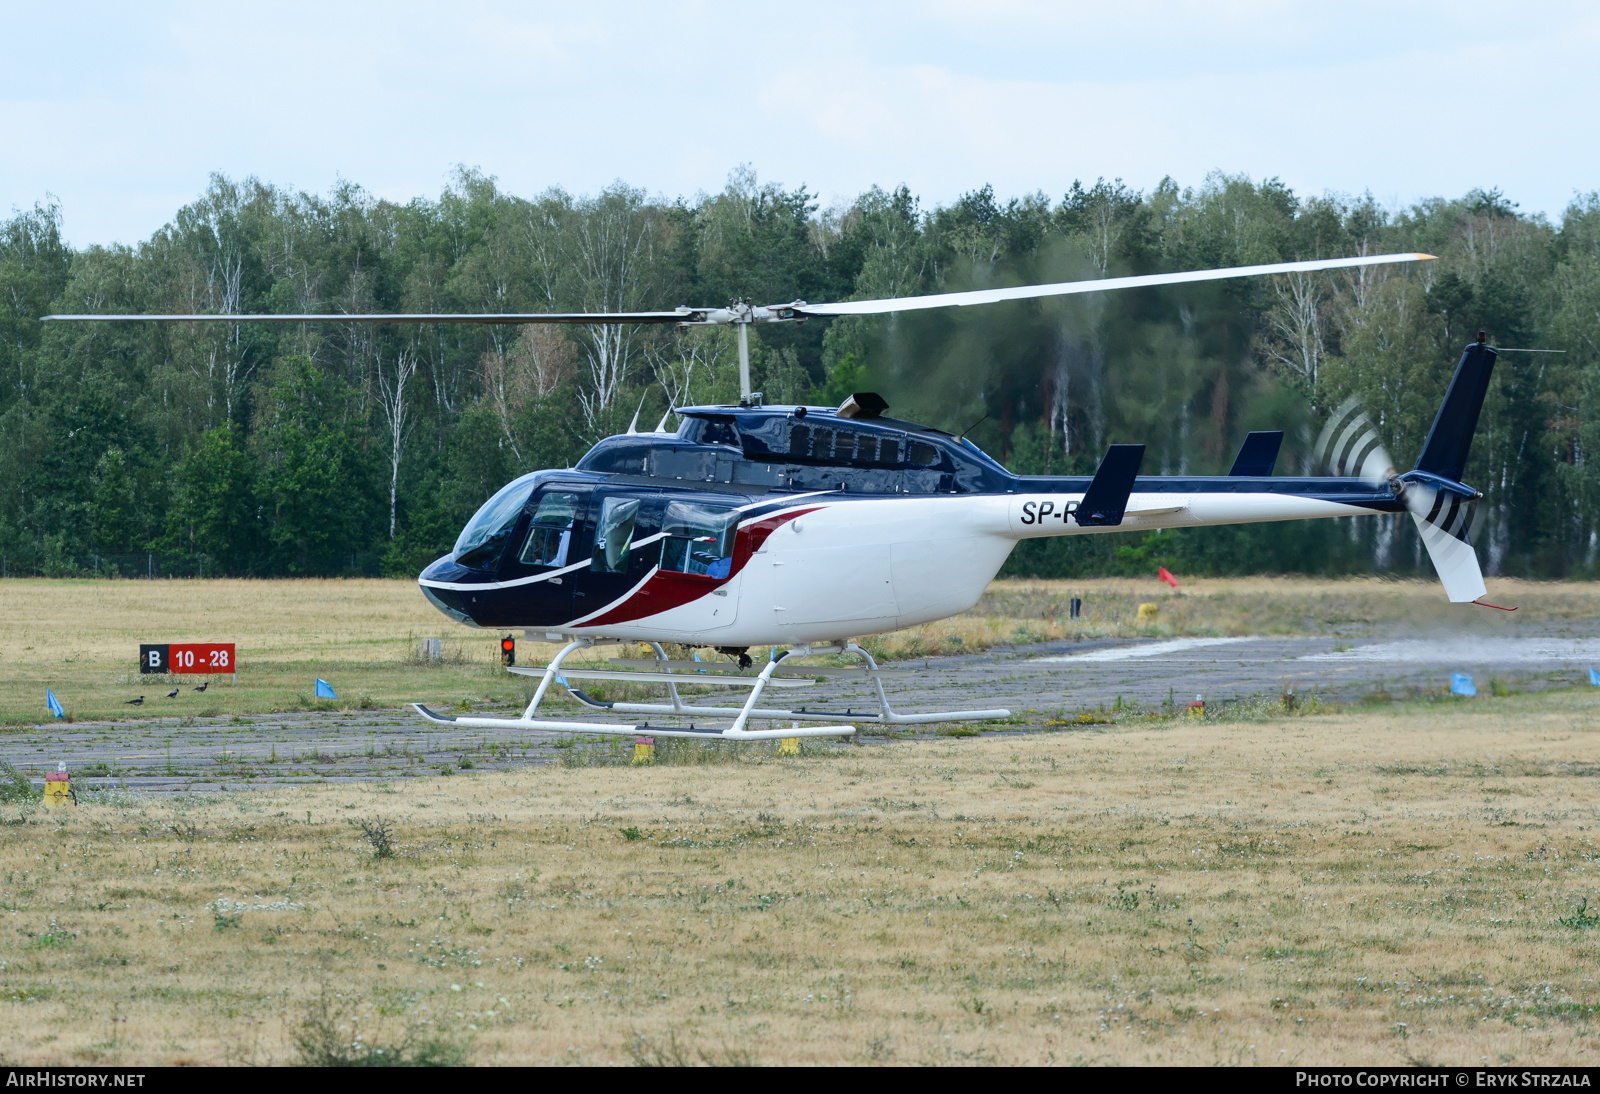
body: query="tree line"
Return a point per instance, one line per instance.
(335, 448)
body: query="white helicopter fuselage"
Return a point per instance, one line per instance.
(843, 569)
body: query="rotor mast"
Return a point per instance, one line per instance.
(744, 359)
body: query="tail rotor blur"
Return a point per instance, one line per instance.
(1444, 511)
(1350, 446)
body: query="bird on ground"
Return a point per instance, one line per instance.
(203, 686)
(136, 702)
(173, 694)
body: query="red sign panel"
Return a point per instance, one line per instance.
(192, 657)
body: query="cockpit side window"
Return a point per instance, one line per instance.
(483, 540)
(720, 431)
(614, 534)
(699, 539)
(551, 534)
(710, 430)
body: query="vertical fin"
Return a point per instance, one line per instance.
(1445, 451)
(1258, 454)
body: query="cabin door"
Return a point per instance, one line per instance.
(619, 536)
(537, 576)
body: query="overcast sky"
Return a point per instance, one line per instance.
(122, 110)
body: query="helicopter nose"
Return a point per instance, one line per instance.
(449, 601)
(435, 570)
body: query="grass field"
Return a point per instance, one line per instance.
(81, 638)
(1413, 885)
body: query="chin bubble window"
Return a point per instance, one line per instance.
(551, 533)
(484, 538)
(699, 539)
(614, 535)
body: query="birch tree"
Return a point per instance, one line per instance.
(600, 254)
(1293, 342)
(526, 375)
(693, 365)
(392, 405)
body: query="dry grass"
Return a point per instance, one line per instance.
(1358, 887)
(81, 637)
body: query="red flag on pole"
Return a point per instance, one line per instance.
(1166, 575)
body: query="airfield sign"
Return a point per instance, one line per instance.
(190, 657)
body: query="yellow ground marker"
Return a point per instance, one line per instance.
(644, 750)
(58, 789)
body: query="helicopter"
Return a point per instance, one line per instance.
(808, 527)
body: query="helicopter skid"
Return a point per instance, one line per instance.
(888, 717)
(678, 708)
(643, 729)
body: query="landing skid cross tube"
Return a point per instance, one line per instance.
(677, 707)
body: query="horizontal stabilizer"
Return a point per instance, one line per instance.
(1106, 500)
(1258, 454)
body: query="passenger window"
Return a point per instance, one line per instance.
(614, 535)
(699, 539)
(923, 455)
(889, 451)
(800, 441)
(551, 533)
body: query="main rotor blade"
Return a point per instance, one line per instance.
(513, 318)
(1070, 288)
(776, 312)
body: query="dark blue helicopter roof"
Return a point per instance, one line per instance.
(761, 449)
(801, 448)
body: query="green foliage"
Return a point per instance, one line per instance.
(214, 501)
(273, 450)
(15, 786)
(1581, 919)
(337, 1031)
(379, 834)
(318, 486)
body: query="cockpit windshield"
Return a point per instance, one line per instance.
(484, 538)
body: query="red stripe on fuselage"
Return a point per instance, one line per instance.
(667, 589)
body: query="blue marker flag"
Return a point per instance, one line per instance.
(1594, 676)
(54, 704)
(325, 689)
(1461, 684)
